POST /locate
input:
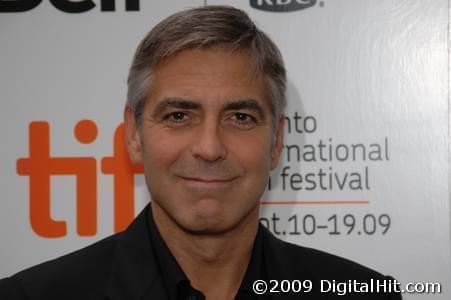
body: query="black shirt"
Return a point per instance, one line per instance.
(178, 286)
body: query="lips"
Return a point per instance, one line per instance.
(202, 182)
(208, 180)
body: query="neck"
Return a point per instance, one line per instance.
(214, 263)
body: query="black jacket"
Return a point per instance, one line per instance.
(123, 266)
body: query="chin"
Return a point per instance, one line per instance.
(206, 220)
(208, 215)
(211, 222)
(205, 229)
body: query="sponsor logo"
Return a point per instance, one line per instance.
(282, 5)
(40, 166)
(67, 6)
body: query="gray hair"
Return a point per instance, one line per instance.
(222, 27)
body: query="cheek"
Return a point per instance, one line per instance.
(254, 152)
(160, 151)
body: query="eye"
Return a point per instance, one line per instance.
(176, 117)
(243, 120)
(242, 117)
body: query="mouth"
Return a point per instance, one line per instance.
(200, 182)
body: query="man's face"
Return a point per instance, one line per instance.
(205, 140)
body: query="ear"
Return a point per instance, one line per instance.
(132, 137)
(278, 143)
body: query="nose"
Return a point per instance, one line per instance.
(209, 145)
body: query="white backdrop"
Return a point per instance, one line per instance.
(365, 165)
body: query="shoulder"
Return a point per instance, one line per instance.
(10, 288)
(323, 264)
(84, 270)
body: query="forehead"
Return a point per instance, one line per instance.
(207, 75)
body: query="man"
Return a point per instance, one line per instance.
(204, 115)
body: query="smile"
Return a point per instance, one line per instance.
(195, 182)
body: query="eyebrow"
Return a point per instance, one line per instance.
(175, 103)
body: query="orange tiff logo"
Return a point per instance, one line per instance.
(39, 166)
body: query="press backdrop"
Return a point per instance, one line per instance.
(364, 172)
